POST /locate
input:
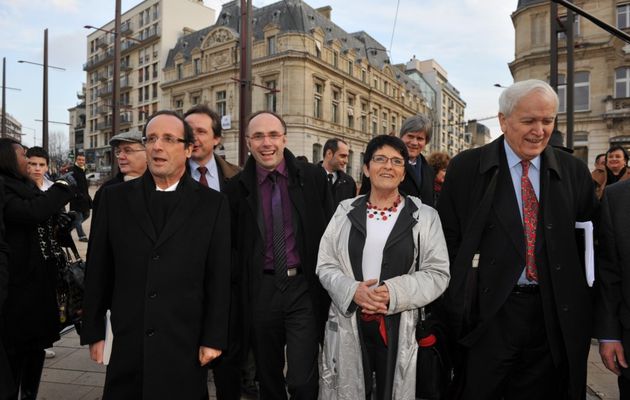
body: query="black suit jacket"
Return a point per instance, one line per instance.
(612, 281)
(566, 196)
(168, 293)
(312, 208)
(82, 201)
(411, 186)
(344, 187)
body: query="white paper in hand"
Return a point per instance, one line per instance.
(109, 338)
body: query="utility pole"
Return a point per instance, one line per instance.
(45, 95)
(116, 86)
(4, 97)
(245, 93)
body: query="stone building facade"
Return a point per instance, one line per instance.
(324, 81)
(602, 70)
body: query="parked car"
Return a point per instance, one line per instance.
(94, 178)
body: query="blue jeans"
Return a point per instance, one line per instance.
(78, 221)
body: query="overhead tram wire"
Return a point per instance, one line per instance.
(391, 42)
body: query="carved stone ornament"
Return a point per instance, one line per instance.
(217, 37)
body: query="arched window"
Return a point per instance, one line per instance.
(317, 153)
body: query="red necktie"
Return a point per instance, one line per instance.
(202, 177)
(530, 220)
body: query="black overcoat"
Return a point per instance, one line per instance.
(168, 292)
(612, 280)
(30, 313)
(82, 201)
(566, 196)
(312, 208)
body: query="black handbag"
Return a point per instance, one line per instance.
(434, 369)
(71, 287)
(434, 366)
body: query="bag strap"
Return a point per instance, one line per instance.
(75, 252)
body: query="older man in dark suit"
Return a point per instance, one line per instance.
(415, 132)
(158, 261)
(612, 322)
(280, 208)
(525, 323)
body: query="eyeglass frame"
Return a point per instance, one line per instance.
(389, 159)
(119, 152)
(168, 139)
(259, 136)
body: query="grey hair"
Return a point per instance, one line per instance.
(513, 94)
(416, 123)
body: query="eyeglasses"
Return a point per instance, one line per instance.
(396, 161)
(119, 152)
(259, 137)
(166, 139)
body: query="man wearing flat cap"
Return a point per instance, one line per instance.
(131, 157)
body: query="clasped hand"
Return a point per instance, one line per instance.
(372, 300)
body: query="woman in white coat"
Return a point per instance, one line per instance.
(382, 257)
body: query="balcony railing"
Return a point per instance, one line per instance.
(126, 27)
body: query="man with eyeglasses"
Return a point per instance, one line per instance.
(157, 260)
(131, 158)
(415, 132)
(280, 209)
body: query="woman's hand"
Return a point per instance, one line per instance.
(383, 292)
(370, 301)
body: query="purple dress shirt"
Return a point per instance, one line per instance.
(264, 186)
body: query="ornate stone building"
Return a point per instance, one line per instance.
(602, 70)
(324, 81)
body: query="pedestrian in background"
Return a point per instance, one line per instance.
(342, 185)
(438, 161)
(82, 202)
(382, 257)
(615, 170)
(30, 317)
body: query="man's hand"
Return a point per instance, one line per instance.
(370, 301)
(96, 351)
(612, 356)
(207, 354)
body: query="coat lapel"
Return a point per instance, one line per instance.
(186, 206)
(403, 224)
(249, 184)
(137, 204)
(356, 242)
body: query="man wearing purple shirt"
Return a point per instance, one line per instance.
(280, 208)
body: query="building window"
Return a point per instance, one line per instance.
(394, 123)
(155, 70)
(350, 68)
(271, 45)
(197, 66)
(317, 105)
(318, 49)
(623, 16)
(350, 119)
(374, 122)
(270, 97)
(317, 152)
(335, 59)
(622, 82)
(363, 76)
(180, 71)
(179, 104)
(221, 104)
(582, 91)
(154, 90)
(195, 99)
(539, 29)
(139, 94)
(335, 106)
(349, 169)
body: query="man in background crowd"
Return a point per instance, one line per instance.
(82, 203)
(336, 153)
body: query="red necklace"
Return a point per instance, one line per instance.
(382, 214)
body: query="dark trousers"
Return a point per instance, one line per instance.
(376, 352)
(512, 360)
(624, 387)
(285, 318)
(227, 368)
(78, 223)
(26, 367)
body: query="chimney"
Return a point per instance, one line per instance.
(325, 11)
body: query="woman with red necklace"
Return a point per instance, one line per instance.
(382, 257)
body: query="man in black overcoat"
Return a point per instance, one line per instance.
(336, 153)
(158, 262)
(276, 196)
(525, 324)
(612, 282)
(415, 132)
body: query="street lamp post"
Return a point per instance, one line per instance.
(3, 128)
(45, 89)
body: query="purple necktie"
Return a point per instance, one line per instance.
(279, 245)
